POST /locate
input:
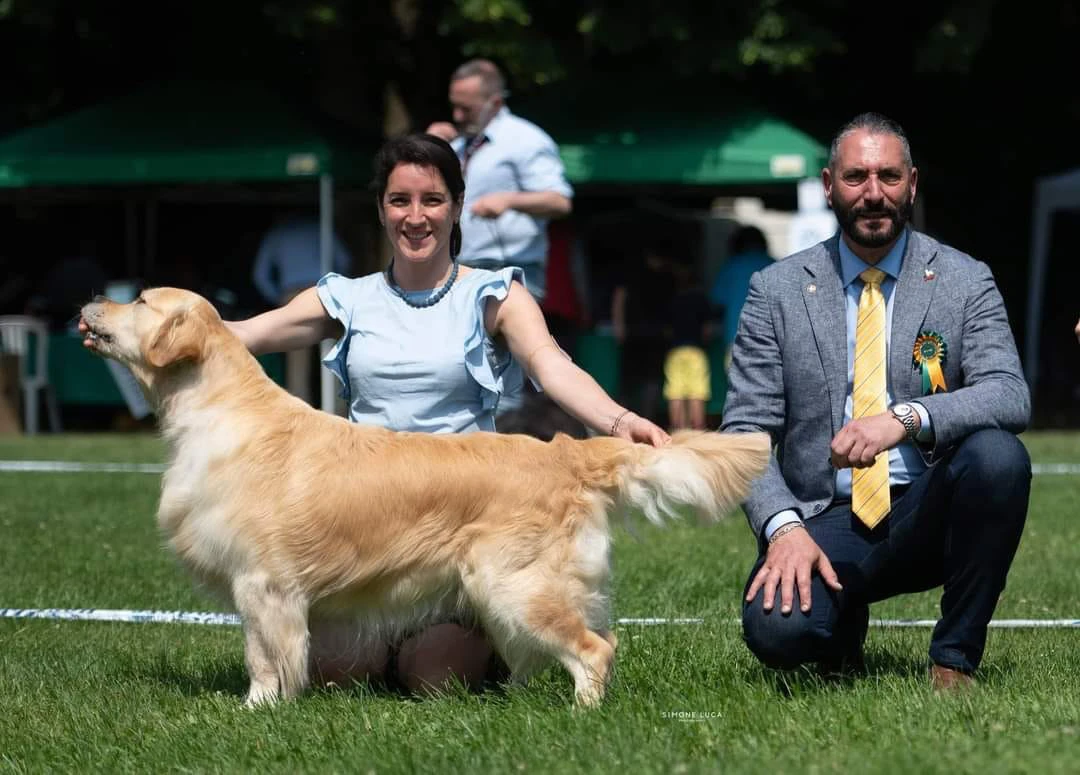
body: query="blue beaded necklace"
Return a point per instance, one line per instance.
(432, 300)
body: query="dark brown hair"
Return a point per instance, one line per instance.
(423, 150)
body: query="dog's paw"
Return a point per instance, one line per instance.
(260, 696)
(589, 697)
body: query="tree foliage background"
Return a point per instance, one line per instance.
(983, 87)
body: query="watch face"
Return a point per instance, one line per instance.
(905, 413)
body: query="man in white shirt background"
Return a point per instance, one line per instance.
(288, 262)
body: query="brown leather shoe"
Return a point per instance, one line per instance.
(947, 680)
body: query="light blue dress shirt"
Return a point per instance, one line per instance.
(905, 462)
(288, 259)
(514, 155)
(434, 369)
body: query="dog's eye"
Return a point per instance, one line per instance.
(140, 300)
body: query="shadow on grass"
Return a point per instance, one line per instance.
(807, 679)
(230, 677)
(195, 680)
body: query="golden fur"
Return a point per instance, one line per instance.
(291, 512)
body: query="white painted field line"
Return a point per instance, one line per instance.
(66, 466)
(999, 624)
(649, 621)
(1067, 469)
(206, 617)
(119, 615)
(73, 467)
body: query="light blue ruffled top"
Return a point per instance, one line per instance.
(433, 370)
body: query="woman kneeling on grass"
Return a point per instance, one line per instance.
(430, 346)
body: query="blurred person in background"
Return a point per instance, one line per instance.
(748, 252)
(69, 283)
(514, 180)
(640, 316)
(687, 380)
(289, 261)
(565, 304)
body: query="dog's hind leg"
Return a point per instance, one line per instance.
(531, 621)
(585, 654)
(275, 639)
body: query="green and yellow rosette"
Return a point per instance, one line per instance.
(929, 356)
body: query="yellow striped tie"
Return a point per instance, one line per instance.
(870, 486)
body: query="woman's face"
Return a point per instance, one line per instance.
(418, 213)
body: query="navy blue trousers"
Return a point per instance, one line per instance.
(957, 526)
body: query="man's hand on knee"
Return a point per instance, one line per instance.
(790, 562)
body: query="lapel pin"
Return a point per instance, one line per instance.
(928, 274)
(811, 288)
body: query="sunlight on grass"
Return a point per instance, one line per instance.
(100, 697)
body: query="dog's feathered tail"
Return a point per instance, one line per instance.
(700, 472)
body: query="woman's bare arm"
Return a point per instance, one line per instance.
(301, 323)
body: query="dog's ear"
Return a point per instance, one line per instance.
(181, 337)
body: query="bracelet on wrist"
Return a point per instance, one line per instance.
(619, 419)
(783, 530)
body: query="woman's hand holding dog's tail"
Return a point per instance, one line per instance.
(633, 427)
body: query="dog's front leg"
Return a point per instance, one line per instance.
(275, 638)
(264, 687)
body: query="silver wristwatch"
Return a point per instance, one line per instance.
(907, 416)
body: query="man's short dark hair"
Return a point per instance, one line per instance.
(874, 123)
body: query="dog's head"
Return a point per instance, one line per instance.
(161, 328)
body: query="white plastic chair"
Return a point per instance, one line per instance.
(28, 338)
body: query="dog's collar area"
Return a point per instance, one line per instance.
(431, 300)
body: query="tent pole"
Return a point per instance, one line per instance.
(326, 264)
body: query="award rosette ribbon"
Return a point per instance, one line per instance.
(928, 355)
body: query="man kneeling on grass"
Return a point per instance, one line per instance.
(882, 363)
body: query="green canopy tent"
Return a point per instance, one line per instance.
(177, 133)
(187, 133)
(670, 135)
(745, 149)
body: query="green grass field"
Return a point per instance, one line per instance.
(114, 697)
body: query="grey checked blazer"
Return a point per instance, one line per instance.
(789, 363)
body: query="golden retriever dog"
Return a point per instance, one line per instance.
(292, 513)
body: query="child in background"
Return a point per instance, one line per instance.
(686, 366)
